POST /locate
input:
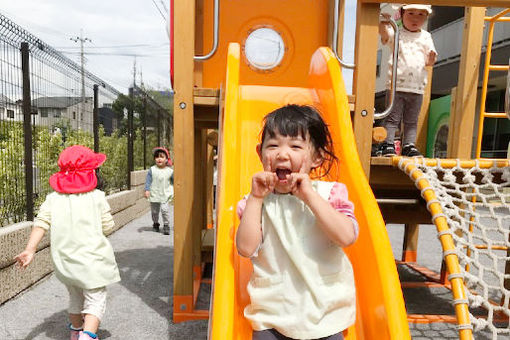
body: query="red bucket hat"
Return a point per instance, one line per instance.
(77, 174)
(161, 148)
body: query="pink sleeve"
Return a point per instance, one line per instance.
(339, 200)
(241, 205)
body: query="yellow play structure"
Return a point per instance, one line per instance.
(221, 85)
(372, 258)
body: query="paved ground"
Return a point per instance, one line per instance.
(427, 300)
(139, 307)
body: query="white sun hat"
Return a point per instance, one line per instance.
(427, 8)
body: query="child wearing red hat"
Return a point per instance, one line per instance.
(78, 215)
(159, 188)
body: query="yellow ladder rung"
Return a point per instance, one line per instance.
(498, 67)
(494, 115)
(501, 19)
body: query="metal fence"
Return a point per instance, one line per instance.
(48, 102)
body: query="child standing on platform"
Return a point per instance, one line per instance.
(416, 50)
(78, 215)
(293, 229)
(159, 188)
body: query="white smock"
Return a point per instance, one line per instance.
(81, 253)
(302, 283)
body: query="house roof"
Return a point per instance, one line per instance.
(57, 102)
(5, 100)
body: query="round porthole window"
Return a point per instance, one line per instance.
(264, 48)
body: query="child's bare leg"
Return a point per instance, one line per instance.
(76, 320)
(91, 323)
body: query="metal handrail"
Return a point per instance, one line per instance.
(381, 115)
(377, 115)
(335, 37)
(216, 28)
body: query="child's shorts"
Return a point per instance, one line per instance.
(87, 301)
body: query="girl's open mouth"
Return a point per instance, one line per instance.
(282, 174)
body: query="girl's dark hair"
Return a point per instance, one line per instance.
(100, 180)
(157, 152)
(293, 120)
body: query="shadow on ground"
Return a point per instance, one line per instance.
(53, 327)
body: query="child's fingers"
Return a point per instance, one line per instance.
(293, 180)
(270, 181)
(273, 179)
(302, 169)
(267, 165)
(20, 261)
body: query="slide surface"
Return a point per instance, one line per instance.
(380, 305)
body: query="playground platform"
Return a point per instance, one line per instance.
(139, 307)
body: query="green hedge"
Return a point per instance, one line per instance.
(47, 147)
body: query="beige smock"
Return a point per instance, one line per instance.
(81, 253)
(161, 189)
(302, 283)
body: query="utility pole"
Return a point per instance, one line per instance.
(81, 39)
(134, 73)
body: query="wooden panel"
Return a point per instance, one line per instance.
(199, 212)
(410, 247)
(458, 3)
(364, 79)
(206, 92)
(209, 180)
(206, 114)
(184, 43)
(405, 214)
(206, 96)
(423, 118)
(382, 176)
(453, 102)
(462, 119)
(381, 161)
(207, 101)
(208, 239)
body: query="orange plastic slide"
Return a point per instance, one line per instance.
(380, 306)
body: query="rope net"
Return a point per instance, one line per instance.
(474, 197)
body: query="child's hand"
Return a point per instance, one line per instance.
(431, 58)
(147, 194)
(384, 27)
(24, 258)
(262, 183)
(386, 17)
(301, 185)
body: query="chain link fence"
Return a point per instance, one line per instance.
(49, 102)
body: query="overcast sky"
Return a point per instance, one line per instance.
(118, 30)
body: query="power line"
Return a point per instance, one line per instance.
(163, 5)
(159, 10)
(119, 54)
(117, 46)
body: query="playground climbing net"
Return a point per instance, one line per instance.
(474, 198)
